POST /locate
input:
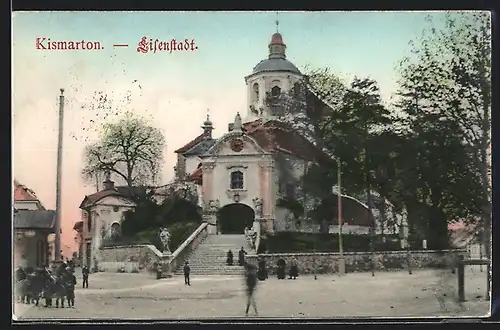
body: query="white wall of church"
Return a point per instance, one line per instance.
(192, 163)
(222, 178)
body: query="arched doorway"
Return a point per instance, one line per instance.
(233, 218)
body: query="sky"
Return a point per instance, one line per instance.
(172, 90)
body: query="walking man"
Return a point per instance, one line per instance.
(85, 276)
(251, 283)
(187, 270)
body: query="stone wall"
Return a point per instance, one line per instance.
(129, 258)
(327, 263)
(144, 258)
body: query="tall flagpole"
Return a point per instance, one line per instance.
(59, 177)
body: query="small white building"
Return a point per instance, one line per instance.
(102, 213)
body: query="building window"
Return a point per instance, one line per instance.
(255, 92)
(116, 208)
(275, 91)
(89, 222)
(237, 180)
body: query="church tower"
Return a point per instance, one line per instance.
(270, 77)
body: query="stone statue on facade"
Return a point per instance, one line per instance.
(257, 204)
(213, 205)
(115, 231)
(165, 240)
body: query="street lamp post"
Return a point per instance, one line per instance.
(339, 215)
(57, 243)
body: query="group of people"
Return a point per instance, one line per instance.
(32, 285)
(293, 272)
(262, 273)
(241, 257)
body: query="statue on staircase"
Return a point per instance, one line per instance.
(165, 240)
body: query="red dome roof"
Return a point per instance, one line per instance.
(276, 38)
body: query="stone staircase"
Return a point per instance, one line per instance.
(209, 258)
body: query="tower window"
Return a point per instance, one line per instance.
(275, 91)
(297, 89)
(236, 180)
(255, 92)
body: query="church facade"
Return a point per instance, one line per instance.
(241, 174)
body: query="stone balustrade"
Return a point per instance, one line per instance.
(146, 257)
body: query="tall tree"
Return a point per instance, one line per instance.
(446, 87)
(130, 148)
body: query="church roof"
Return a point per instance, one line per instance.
(193, 143)
(201, 147)
(196, 176)
(275, 64)
(274, 136)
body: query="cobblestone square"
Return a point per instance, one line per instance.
(387, 294)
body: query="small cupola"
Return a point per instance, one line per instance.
(207, 128)
(277, 47)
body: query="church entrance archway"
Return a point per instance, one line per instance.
(234, 218)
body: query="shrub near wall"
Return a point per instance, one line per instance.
(327, 263)
(291, 242)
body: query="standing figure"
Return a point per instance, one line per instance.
(294, 270)
(70, 288)
(59, 288)
(85, 276)
(251, 284)
(281, 269)
(37, 286)
(241, 256)
(229, 259)
(262, 272)
(187, 270)
(21, 283)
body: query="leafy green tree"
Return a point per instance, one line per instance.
(129, 148)
(445, 90)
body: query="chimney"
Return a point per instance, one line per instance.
(230, 127)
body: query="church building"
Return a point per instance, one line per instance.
(239, 175)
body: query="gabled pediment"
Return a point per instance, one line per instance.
(235, 144)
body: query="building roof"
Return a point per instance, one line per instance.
(23, 193)
(120, 191)
(78, 225)
(193, 143)
(34, 219)
(274, 136)
(275, 65)
(196, 176)
(201, 147)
